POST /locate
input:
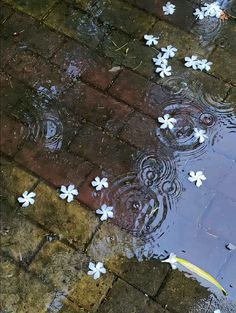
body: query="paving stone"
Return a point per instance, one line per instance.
(15, 181)
(11, 134)
(72, 308)
(5, 12)
(123, 16)
(186, 43)
(58, 168)
(82, 4)
(223, 208)
(26, 33)
(141, 132)
(182, 294)
(226, 35)
(75, 24)
(107, 152)
(7, 52)
(232, 99)
(125, 298)
(21, 292)
(59, 266)
(182, 17)
(224, 65)
(96, 107)
(130, 53)
(89, 292)
(38, 73)
(78, 61)
(120, 250)
(69, 220)
(33, 7)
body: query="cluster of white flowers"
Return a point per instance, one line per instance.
(208, 9)
(161, 60)
(168, 9)
(197, 64)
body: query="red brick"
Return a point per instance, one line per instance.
(93, 105)
(58, 168)
(140, 131)
(12, 134)
(139, 93)
(96, 146)
(79, 61)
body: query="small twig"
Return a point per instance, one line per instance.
(122, 46)
(135, 68)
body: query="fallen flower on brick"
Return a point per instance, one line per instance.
(197, 177)
(208, 9)
(163, 70)
(96, 270)
(167, 121)
(151, 40)
(99, 183)
(169, 51)
(68, 192)
(168, 9)
(191, 62)
(160, 59)
(27, 199)
(105, 211)
(204, 65)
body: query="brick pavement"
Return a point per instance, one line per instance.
(67, 117)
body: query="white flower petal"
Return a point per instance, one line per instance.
(63, 196)
(97, 275)
(70, 198)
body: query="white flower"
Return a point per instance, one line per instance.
(99, 183)
(172, 260)
(217, 311)
(105, 211)
(168, 9)
(191, 62)
(167, 121)
(200, 134)
(204, 65)
(96, 270)
(27, 198)
(212, 9)
(199, 14)
(68, 193)
(169, 51)
(151, 40)
(160, 59)
(164, 70)
(196, 177)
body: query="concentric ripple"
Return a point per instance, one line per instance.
(207, 29)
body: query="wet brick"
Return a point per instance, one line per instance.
(141, 132)
(7, 51)
(96, 107)
(123, 16)
(12, 132)
(32, 7)
(75, 24)
(22, 292)
(80, 62)
(182, 294)
(119, 251)
(226, 36)
(58, 168)
(109, 153)
(69, 220)
(125, 298)
(5, 12)
(30, 34)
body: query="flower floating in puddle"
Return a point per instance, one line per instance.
(204, 65)
(169, 51)
(105, 211)
(168, 9)
(197, 177)
(172, 260)
(68, 192)
(199, 14)
(27, 199)
(200, 134)
(99, 183)
(167, 121)
(191, 62)
(151, 40)
(160, 59)
(164, 70)
(96, 270)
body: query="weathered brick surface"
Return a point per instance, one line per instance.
(225, 38)
(32, 7)
(96, 107)
(96, 146)
(26, 33)
(118, 14)
(78, 61)
(12, 132)
(125, 298)
(58, 168)
(75, 24)
(5, 12)
(191, 296)
(70, 221)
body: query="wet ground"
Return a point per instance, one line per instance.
(80, 99)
